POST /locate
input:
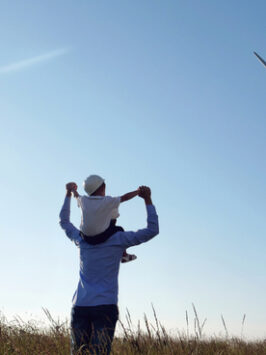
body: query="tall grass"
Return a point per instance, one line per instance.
(29, 338)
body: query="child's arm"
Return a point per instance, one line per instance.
(129, 195)
(74, 191)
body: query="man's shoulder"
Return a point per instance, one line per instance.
(116, 239)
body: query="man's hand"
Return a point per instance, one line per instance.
(145, 193)
(71, 187)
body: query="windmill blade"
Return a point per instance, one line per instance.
(260, 59)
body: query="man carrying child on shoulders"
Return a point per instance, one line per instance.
(95, 312)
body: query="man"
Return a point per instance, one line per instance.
(95, 312)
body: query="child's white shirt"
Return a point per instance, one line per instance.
(97, 212)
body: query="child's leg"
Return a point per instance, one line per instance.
(102, 237)
(127, 257)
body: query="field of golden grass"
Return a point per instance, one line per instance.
(27, 338)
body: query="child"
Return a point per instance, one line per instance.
(99, 212)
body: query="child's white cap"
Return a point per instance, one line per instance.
(92, 183)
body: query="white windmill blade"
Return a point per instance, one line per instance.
(260, 59)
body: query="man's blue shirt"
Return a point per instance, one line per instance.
(99, 264)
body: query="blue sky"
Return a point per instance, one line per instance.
(167, 94)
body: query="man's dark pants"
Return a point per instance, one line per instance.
(92, 328)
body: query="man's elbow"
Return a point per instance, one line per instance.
(62, 224)
(154, 226)
(153, 230)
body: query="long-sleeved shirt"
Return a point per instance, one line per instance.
(99, 264)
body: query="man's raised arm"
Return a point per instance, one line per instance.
(71, 231)
(128, 239)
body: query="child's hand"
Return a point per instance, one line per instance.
(71, 186)
(144, 192)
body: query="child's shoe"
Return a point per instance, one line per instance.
(128, 257)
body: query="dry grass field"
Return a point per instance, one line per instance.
(27, 338)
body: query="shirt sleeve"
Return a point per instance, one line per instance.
(71, 231)
(129, 239)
